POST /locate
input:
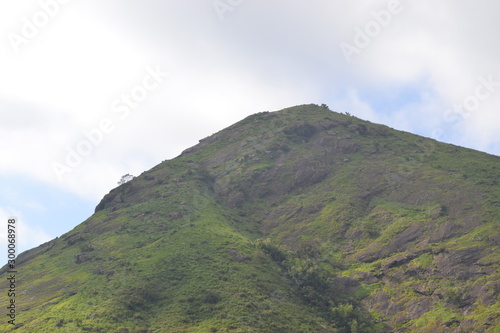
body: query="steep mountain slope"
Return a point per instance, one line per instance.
(302, 220)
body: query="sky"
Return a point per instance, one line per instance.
(92, 90)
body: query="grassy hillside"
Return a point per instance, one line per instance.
(302, 220)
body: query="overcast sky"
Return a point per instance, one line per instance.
(91, 90)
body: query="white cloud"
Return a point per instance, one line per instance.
(449, 43)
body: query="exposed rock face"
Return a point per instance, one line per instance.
(400, 243)
(445, 230)
(461, 264)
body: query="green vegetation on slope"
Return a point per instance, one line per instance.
(302, 220)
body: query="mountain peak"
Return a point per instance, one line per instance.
(299, 220)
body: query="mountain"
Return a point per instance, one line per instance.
(300, 220)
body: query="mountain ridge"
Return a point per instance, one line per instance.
(300, 220)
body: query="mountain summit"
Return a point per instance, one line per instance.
(300, 220)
